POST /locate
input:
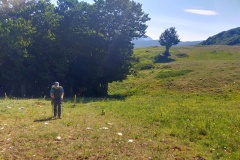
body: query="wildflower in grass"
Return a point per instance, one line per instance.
(11, 147)
(46, 123)
(104, 128)
(130, 140)
(2, 128)
(58, 138)
(88, 128)
(119, 133)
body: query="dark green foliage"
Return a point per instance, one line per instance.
(144, 66)
(230, 37)
(15, 38)
(82, 46)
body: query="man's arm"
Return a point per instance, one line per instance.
(62, 95)
(51, 94)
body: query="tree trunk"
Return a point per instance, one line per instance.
(166, 53)
(104, 89)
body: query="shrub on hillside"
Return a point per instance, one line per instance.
(182, 55)
(144, 66)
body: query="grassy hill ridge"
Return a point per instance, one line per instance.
(151, 43)
(229, 37)
(186, 107)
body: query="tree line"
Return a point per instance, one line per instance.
(83, 46)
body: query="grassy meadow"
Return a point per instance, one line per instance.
(186, 107)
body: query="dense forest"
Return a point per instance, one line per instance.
(83, 46)
(230, 37)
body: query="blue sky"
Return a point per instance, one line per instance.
(193, 19)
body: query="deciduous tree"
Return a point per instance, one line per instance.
(168, 38)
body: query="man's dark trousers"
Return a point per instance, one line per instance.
(57, 107)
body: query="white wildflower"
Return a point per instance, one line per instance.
(58, 138)
(119, 133)
(88, 128)
(104, 128)
(46, 123)
(2, 128)
(130, 140)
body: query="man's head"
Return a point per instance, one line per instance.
(56, 84)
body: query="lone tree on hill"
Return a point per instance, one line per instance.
(168, 38)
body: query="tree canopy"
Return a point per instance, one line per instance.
(168, 38)
(83, 46)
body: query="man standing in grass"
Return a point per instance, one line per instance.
(57, 93)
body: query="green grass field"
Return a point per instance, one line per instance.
(184, 107)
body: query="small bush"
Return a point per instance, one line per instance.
(144, 66)
(182, 55)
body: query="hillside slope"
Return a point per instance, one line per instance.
(190, 69)
(230, 37)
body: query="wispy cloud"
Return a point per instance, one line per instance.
(201, 12)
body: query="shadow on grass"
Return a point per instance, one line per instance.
(117, 97)
(44, 119)
(163, 59)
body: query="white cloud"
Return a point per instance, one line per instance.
(201, 12)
